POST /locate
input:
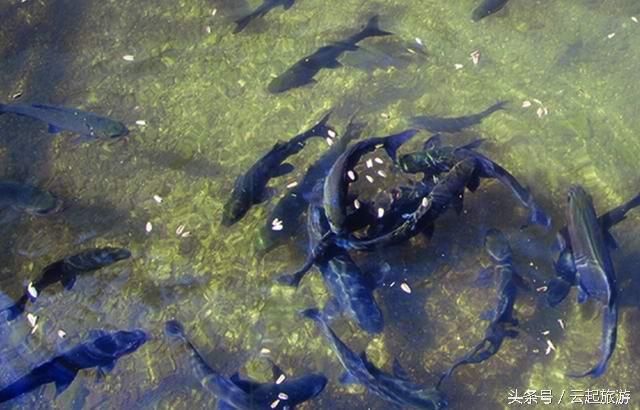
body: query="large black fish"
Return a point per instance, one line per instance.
(261, 11)
(284, 220)
(486, 8)
(90, 126)
(103, 352)
(436, 158)
(500, 318)
(251, 188)
(594, 270)
(65, 271)
(560, 286)
(454, 124)
(245, 394)
(394, 388)
(302, 72)
(28, 198)
(351, 290)
(336, 184)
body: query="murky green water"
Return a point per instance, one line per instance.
(201, 92)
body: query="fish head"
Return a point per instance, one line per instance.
(120, 343)
(44, 203)
(107, 129)
(234, 210)
(497, 245)
(114, 254)
(432, 399)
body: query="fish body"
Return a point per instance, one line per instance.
(351, 290)
(237, 393)
(486, 8)
(261, 11)
(336, 184)
(304, 71)
(437, 159)
(454, 124)
(103, 352)
(289, 209)
(65, 272)
(394, 388)
(90, 126)
(595, 274)
(501, 319)
(251, 187)
(28, 198)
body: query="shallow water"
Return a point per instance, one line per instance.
(201, 92)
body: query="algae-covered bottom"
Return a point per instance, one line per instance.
(195, 98)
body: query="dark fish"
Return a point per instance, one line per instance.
(291, 206)
(486, 8)
(28, 198)
(435, 159)
(446, 193)
(103, 352)
(454, 124)
(594, 270)
(394, 388)
(501, 317)
(65, 271)
(90, 126)
(251, 187)
(351, 290)
(261, 11)
(245, 394)
(302, 72)
(336, 184)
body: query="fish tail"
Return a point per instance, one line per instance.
(557, 291)
(373, 28)
(243, 22)
(500, 105)
(608, 344)
(394, 142)
(17, 309)
(537, 215)
(633, 202)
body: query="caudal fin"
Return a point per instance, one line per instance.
(174, 328)
(321, 129)
(394, 142)
(313, 314)
(500, 105)
(373, 29)
(608, 343)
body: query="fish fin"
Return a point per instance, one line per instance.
(292, 280)
(313, 314)
(17, 309)
(367, 363)
(373, 29)
(557, 291)
(321, 128)
(537, 216)
(434, 141)
(235, 378)
(64, 381)
(282, 169)
(276, 371)
(96, 333)
(331, 309)
(82, 139)
(68, 280)
(484, 278)
(347, 378)
(473, 144)
(487, 314)
(243, 22)
(582, 295)
(53, 129)
(333, 64)
(610, 240)
(393, 142)
(399, 371)
(474, 182)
